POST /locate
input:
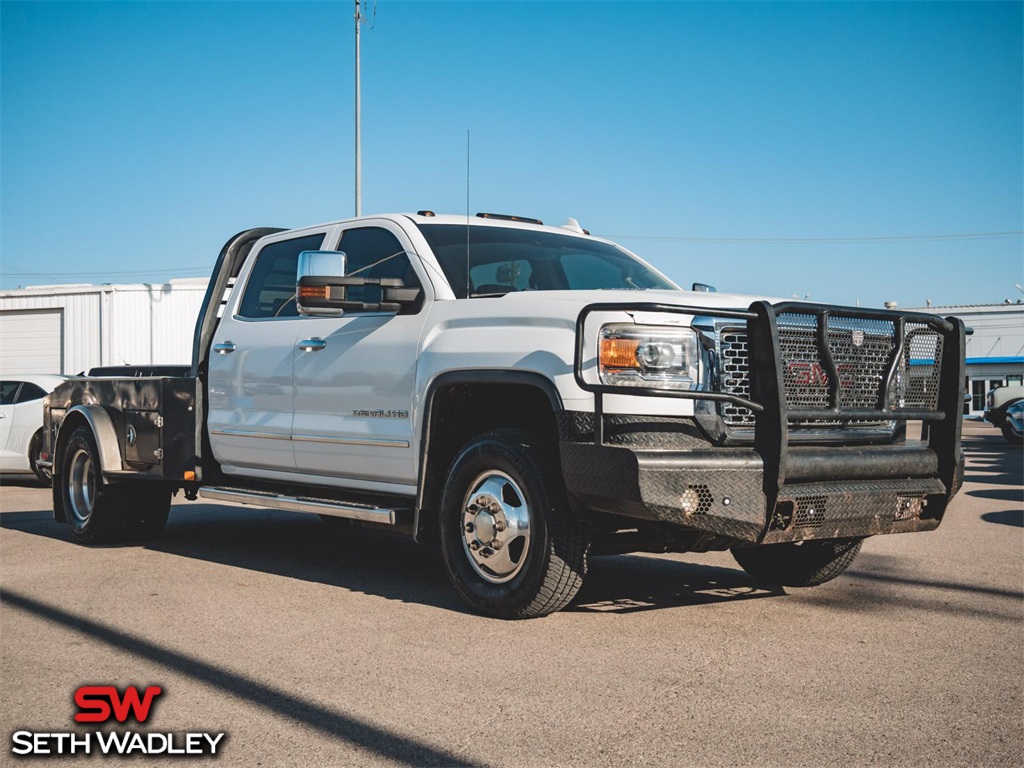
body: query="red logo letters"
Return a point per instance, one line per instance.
(98, 703)
(808, 374)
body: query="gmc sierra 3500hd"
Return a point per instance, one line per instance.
(523, 395)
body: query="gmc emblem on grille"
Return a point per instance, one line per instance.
(806, 374)
(857, 337)
(803, 373)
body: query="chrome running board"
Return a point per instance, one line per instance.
(294, 504)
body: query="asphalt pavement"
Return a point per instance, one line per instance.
(310, 646)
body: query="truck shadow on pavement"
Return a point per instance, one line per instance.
(632, 583)
(387, 565)
(20, 480)
(394, 567)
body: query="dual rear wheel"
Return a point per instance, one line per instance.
(100, 513)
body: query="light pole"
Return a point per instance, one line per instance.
(359, 127)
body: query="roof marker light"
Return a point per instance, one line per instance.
(508, 217)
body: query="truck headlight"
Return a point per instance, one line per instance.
(649, 356)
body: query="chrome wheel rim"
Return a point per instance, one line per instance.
(81, 486)
(496, 527)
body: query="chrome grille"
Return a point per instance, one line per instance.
(860, 350)
(922, 361)
(733, 375)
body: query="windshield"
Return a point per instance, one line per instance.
(503, 259)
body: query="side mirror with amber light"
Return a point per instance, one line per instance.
(322, 287)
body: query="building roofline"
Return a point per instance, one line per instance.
(185, 283)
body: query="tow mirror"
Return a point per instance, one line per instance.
(318, 266)
(321, 263)
(322, 287)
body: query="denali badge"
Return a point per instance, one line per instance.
(857, 337)
(379, 413)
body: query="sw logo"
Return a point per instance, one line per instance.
(102, 704)
(98, 703)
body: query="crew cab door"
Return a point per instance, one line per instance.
(355, 375)
(250, 368)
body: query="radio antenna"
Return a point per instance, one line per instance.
(467, 213)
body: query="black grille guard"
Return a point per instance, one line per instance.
(767, 381)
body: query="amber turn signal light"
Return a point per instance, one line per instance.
(619, 353)
(314, 292)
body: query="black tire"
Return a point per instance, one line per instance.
(799, 564)
(35, 447)
(97, 513)
(1013, 439)
(1008, 433)
(542, 565)
(101, 513)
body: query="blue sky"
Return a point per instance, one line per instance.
(766, 148)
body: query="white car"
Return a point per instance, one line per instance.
(21, 420)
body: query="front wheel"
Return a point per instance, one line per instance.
(511, 545)
(798, 564)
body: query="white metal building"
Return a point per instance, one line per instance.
(995, 351)
(71, 328)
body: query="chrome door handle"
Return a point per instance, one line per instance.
(312, 345)
(224, 348)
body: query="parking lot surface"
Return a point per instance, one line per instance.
(308, 646)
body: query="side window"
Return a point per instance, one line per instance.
(30, 391)
(375, 252)
(270, 291)
(8, 389)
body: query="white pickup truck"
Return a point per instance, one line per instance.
(525, 396)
